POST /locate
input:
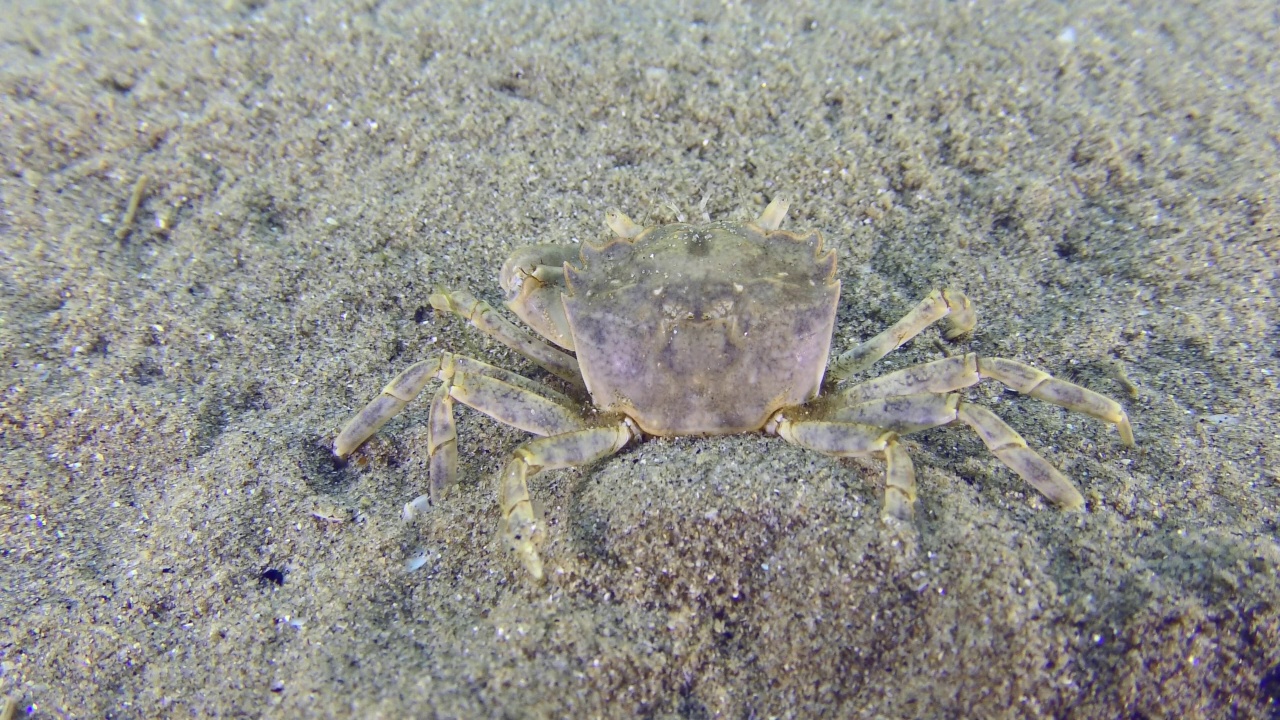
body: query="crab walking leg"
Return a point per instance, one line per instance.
(442, 446)
(902, 414)
(1043, 386)
(398, 393)
(486, 320)
(1005, 443)
(501, 401)
(507, 398)
(849, 439)
(546, 411)
(912, 413)
(962, 371)
(506, 403)
(520, 526)
(951, 304)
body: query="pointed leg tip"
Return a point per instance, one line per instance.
(1074, 503)
(532, 563)
(1063, 495)
(958, 327)
(343, 446)
(440, 301)
(899, 504)
(1126, 432)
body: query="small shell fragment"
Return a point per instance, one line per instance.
(415, 561)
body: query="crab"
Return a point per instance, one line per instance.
(704, 329)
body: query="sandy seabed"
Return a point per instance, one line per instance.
(175, 540)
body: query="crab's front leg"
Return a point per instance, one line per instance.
(951, 304)
(442, 434)
(520, 526)
(568, 439)
(485, 319)
(502, 395)
(394, 397)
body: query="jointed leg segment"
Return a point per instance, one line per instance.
(920, 397)
(398, 393)
(851, 439)
(951, 304)
(521, 525)
(484, 318)
(1005, 443)
(941, 376)
(912, 413)
(502, 395)
(568, 440)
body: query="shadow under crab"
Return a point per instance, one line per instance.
(712, 329)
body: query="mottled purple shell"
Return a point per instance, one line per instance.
(703, 329)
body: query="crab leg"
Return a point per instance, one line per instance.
(484, 318)
(442, 449)
(504, 396)
(1005, 443)
(962, 371)
(951, 304)
(851, 439)
(902, 414)
(912, 413)
(521, 525)
(398, 393)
